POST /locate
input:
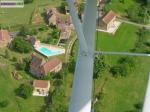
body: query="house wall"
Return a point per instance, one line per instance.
(45, 90)
(57, 68)
(102, 25)
(4, 43)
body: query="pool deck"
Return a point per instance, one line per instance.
(51, 48)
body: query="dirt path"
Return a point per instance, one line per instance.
(68, 51)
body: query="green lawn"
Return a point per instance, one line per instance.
(21, 16)
(121, 94)
(17, 104)
(8, 85)
(123, 40)
(120, 8)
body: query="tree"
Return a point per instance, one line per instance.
(72, 63)
(139, 106)
(24, 91)
(55, 33)
(142, 44)
(58, 83)
(99, 66)
(23, 64)
(28, 1)
(127, 61)
(7, 54)
(21, 45)
(54, 104)
(124, 67)
(14, 59)
(63, 6)
(122, 1)
(142, 34)
(4, 103)
(137, 14)
(33, 32)
(148, 3)
(24, 31)
(119, 70)
(81, 9)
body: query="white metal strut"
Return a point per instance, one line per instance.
(82, 84)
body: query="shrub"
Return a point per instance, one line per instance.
(24, 91)
(4, 103)
(14, 59)
(7, 54)
(136, 14)
(129, 61)
(139, 106)
(28, 1)
(33, 32)
(99, 66)
(24, 31)
(21, 45)
(23, 64)
(62, 7)
(119, 70)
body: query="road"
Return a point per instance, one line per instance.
(133, 23)
(69, 48)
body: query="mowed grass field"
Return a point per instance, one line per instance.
(122, 93)
(123, 40)
(21, 16)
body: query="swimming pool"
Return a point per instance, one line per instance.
(47, 52)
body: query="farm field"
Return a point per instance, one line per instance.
(23, 16)
(123, 93)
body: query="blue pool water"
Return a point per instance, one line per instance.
(48, 52)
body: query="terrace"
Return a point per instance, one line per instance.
(48, 50)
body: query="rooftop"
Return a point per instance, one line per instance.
(41, 83)
(109, 17)
(4, 35)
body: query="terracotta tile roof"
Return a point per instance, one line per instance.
(36, 61)
(4, 35)
(40, 83)
(108, 17)
(65, 34)
(66, 21)
(50, 65)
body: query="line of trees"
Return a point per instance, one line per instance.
(142, 44)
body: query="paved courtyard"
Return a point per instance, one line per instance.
(113, 28)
